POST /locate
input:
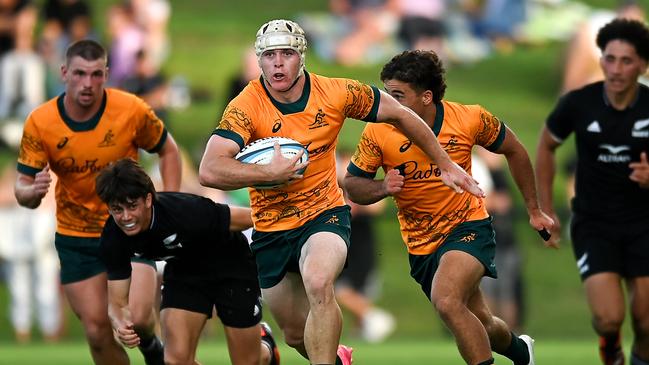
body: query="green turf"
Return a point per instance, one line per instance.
(414, 351)
(207, 40)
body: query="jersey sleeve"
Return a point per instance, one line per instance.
(560, 122)
(114, 253)
(490, 132)
(361, 100)
(150, 133)
(221, 219)
(368, 157)
(236, 123)
(32, 156)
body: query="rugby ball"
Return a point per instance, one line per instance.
(261, 152)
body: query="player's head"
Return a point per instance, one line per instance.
(87, 49)
(422, 70)
(625, 52)
(631, 31)
(280, 34)
(129, 193)
(85, 72)
(415, 79)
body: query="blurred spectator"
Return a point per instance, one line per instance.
(581, 66)
(422, 25)
(359, 284)
(127, 39)
(152, 16)
(150, 84)
(499, 21)
(355, 32)
(249, 71)
(504, 295)
(31, 264)
(65, 22)
(22, 74)
(370, 22)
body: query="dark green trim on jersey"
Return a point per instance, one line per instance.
(27, 170)
(84, 126)
(161, 142)
(356, 171)
(499, 140)
(374, 112)
(297, 106)
(229, 135)
(439, 118)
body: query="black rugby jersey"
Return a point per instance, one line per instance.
(191, 233)
(607, 140)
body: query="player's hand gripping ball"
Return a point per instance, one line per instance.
(261, 152)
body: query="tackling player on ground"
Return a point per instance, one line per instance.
(209, 265)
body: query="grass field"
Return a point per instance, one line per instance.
(394, 352)
(208, 38)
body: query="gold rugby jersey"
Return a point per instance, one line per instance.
(315, 121)
(428, 210)
(77, 151)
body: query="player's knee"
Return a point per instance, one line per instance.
(447, 306)
(640, 323)
(99, 339)
(144, 325)
(607, 323)
(178, 357)
(294, 337)
(319, 288)
(97, 329)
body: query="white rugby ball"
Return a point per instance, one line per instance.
(261, 151)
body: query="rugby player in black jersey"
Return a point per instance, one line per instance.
(610, 222)
(209, 265)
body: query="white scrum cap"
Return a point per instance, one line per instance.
(281, 34)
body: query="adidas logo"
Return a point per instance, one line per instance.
(594, 127)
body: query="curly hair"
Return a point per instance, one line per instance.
(633, 32)
(422, 70)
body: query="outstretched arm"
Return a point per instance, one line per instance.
(170, 165)
(520, 167)
(545, 171)
(408, 122)
(119, 313)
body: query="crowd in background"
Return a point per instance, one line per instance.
(353, 32)
(361, 32)
(30, 63)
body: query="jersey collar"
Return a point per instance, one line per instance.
(608, 102)
(81, 126)
(297, 106)
(439, 118)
